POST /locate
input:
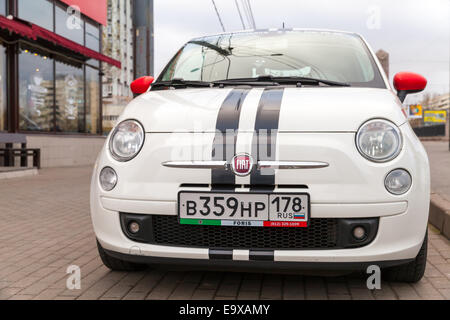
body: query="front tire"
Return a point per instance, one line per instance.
(412, 271)
(117, 264)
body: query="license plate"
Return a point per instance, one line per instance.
(244, 209)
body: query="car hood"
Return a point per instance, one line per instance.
(310, 109)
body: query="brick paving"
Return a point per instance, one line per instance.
(45, 227)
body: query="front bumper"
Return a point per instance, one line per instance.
(399, 238)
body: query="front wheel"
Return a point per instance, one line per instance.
(412, 271)
(117, 264)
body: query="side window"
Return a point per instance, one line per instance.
(366, 66)
(188, 64)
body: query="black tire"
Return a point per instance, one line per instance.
(116, 264)
(412, 271)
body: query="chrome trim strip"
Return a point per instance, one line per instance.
(261, 164)
(292, 164)
(196, 164)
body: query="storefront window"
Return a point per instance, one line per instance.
(92, 37)
(3, 89)
(69, 25)
(69, 98)
(56, 94)
(39, 12)
(92, 100)
(35, 91)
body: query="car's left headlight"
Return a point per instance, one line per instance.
(126, 140)
(379, 140)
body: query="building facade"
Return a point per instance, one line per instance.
(118, 43)
(65, 71)
(440, 102)
(51, 65)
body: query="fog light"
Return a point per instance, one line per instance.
(133, 227)
(359, 233)
(398, 181)
(108, 178)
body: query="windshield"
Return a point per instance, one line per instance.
(322, 55)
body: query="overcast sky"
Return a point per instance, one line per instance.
(416, 33)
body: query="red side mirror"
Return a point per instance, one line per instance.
(408, 82)
(141, 85)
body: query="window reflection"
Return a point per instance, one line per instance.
(92, 100)
(69, 25)
(3, 88)
(69, 98)
(35, 91)
(3, 7)
(92, 37)
(39, 12)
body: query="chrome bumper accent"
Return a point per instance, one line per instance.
(292, 164)
(196, 164)
(260, 165)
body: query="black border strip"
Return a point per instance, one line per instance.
(227, 123)
(252, 265)
(266, 123)
(261, 255)
(220, 254)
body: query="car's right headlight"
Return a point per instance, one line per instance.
(126, 140)
(379, 140)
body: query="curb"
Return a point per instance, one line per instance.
(440, 214)
(18, 173)
(444, 139)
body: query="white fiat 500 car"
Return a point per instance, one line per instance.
(273, 149)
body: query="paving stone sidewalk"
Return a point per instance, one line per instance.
(45, 227)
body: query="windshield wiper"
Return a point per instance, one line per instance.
(178, 83)
(245, 82)
(307, 80)
(266, 80)
(181, 83)
(221, 51)
(287, 80)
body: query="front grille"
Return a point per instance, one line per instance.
(320, 234)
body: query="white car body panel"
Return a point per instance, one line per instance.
(302, 110)
(315, 124)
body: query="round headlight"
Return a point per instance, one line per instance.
(379, 140)
(126, 140)
(108, 178)
(398, 181)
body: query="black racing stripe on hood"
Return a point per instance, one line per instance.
(265, 137)
(224, 144)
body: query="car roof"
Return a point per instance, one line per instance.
(274, 30)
